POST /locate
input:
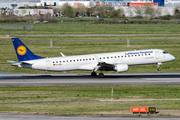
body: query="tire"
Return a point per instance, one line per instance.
(101, 75)
(159, 69)
(93, 74)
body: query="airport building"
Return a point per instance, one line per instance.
(88, 3)
(115, 3)
(18, 3)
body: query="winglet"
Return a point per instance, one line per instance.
(62, 54)
(98, 60)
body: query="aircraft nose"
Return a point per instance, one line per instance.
(173, 58)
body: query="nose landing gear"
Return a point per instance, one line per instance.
(159, 69)
(158, 64)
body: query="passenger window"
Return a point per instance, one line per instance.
(63, 61)
(132, 55)
(99, 58)
(103, 57)
(128, 55)
(70, 60)
(74, 60)
(139, 55)
(107, 57)
(122, 56)
(53, 61)
(118, 56)
(56, 61)
(67, 60)
(89, 58)
(77, 60)
(114, 56)
(93, 58)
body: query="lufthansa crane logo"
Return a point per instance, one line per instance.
(21, 50)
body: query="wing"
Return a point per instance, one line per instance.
(103, 66)
(118, 67)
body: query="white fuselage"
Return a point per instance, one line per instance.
(90, 61)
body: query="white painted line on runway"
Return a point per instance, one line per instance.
(138, 100)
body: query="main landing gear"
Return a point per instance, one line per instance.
(158, 64)
(94, 74)
(101, 75)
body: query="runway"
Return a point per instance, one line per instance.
(14, 116)
(86, 79)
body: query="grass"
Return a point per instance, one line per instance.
(95, 38)
(91, 108)
(18, 94)
(13, 94)
(89, 28)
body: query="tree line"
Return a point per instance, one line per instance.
(146, 11)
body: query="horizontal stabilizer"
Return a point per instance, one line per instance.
(12, 61)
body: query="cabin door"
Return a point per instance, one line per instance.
(48, 64)
(157, 54)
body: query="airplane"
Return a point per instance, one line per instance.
(114, 61)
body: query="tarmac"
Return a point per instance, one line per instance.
(86, 79)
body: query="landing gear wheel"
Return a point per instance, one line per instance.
(158, 64)
(93, 74)
(159, 69)
(101, 75)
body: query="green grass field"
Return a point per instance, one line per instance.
(20, 94)
(89, 28)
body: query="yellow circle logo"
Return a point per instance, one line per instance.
(21, 50)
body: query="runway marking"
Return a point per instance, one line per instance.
(140, 100)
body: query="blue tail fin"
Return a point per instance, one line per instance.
(22, 52)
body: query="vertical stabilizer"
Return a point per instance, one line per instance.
(22, 52)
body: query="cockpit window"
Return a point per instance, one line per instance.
(164, 52)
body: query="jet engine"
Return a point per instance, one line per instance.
(121, 67)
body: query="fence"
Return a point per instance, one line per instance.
(13, 26)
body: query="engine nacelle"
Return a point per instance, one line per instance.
(121, 67)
